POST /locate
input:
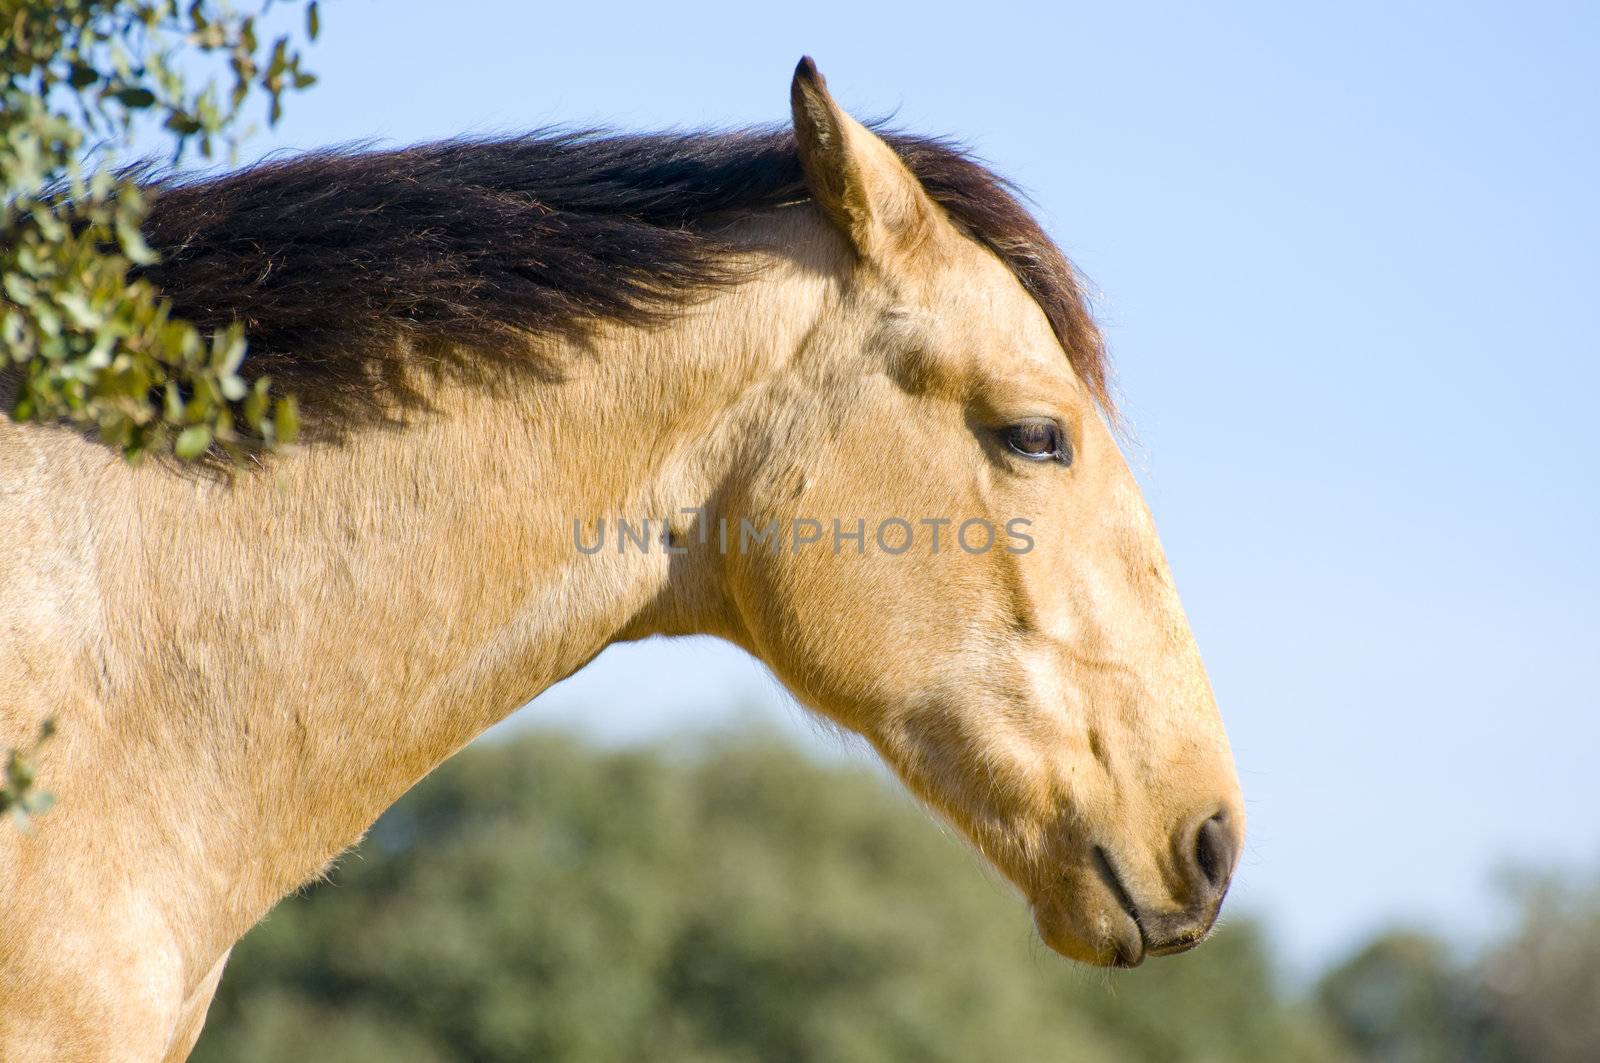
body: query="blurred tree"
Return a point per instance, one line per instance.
(1402, 999)
(536, 899)
(82, 340)
(1543, 982)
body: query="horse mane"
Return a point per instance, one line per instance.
(342, 263)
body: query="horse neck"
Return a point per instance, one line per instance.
(277, 657)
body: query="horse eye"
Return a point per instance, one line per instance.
(1038, 440)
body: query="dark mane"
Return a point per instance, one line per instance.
(341, 262)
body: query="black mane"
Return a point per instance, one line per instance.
(341, 262)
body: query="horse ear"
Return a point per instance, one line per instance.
(852, 174)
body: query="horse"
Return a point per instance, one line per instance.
(845, 395)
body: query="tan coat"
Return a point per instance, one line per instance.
(247, 669)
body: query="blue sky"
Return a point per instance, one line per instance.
(1348, 258)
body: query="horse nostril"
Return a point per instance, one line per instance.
(1214, 851)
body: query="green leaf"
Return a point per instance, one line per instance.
(18, 289)
(193, 441)
(133, 245)
(137, 98)
(286, 420)
(255, 405)
(183, 124)
(94, 347)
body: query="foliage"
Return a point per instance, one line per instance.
(1532, 996)
(1403, 999)
(539, 899)
(19, 794)
(1542, 984)
(88, 340)
(536, 899)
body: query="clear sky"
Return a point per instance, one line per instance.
(1349, 264)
